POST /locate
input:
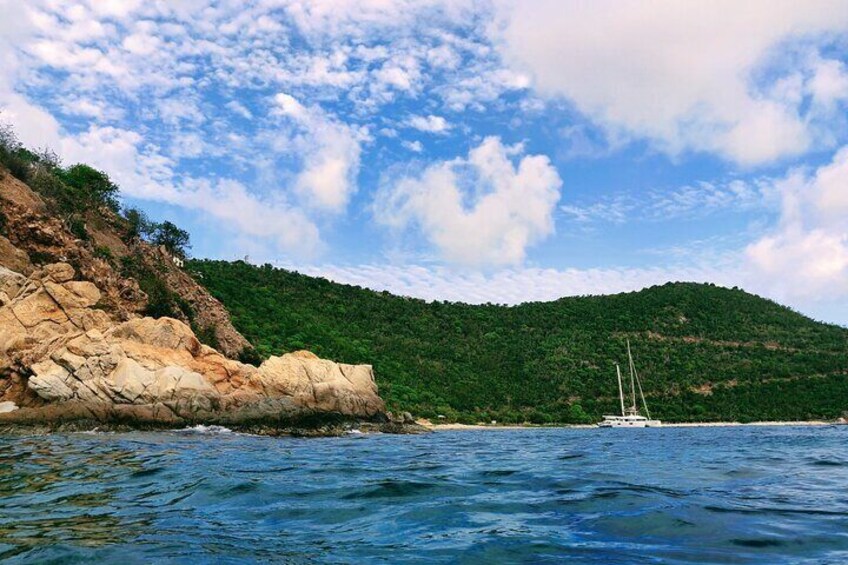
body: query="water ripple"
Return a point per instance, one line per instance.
(743, 495)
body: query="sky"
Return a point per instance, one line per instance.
(475, 150)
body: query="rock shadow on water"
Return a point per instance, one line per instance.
(394, 489)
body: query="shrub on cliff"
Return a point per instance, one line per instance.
(92, 188)
(13, 155)
(174, 239)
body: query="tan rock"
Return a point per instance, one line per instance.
(57, 272)
(13, 258)
(50, 381)
(129, 381)
(73, 294)
(166, 333)
(303, 354)
(7, 406)
(178, 383)
(323, 384)
(37, 309)
(10, 284)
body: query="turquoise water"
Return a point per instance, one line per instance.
(673, 495)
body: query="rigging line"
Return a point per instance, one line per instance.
(632, 373)
(620, 389)
(638, 382)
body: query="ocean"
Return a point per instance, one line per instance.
(669, 495)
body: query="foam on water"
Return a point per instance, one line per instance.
(671, 495)
(201, 429)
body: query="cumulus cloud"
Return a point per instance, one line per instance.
(681, 75)
(330, 153)
(480, 210)
(806, 256)
(188, 79)
(429, 124)
(414, 146)
(145, 174)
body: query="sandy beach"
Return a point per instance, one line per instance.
(497, 427)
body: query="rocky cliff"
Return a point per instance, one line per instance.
(64, 359)
(32, 233)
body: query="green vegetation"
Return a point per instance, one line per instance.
(706, 353)
(80, 193)
(172, 238)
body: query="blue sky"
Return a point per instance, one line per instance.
(477, 150)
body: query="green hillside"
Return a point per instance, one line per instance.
(705, 352)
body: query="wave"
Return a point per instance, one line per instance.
(211, 430)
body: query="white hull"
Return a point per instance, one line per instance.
(628, 422)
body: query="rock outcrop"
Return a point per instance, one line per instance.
(31, 234)
(64, 360)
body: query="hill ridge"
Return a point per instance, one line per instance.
(551, 361)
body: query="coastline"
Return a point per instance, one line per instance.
(495, 427)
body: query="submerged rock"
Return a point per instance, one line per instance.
(63, 360)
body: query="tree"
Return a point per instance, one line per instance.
(94, 187)
(138, 225)
(175, 240)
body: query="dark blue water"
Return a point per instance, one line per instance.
(673, 495)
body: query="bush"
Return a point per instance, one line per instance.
(55, 192)
(93, 187)
(161, 301)
(250, 356)
(77, 227)
(18, 166)
(10, 155)
(103, 252)
(41, 258)
(207, 336)
(3, 223)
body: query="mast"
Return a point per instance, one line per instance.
(620, 390)
(632, 377)
(644, 402)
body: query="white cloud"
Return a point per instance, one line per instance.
(692, 200)
(330, 153)
(483, 210)
(529, 284)
(414, 146)
(145, 174)
(676, 73)
(429, 124)
(505, 286)
(239, 109)
(806, 256)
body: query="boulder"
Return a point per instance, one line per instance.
(10, 283)
(7, 406)
(328, 386)
(13, 258)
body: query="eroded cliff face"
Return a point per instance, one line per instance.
(31, 235)
(63, 359)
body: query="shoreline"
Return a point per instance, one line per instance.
(496, 427)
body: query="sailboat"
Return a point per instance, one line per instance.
(630, 416)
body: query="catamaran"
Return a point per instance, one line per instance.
(630, 416)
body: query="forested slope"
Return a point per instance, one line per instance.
(705, 352)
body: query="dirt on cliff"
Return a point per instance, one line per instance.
(33, 234)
